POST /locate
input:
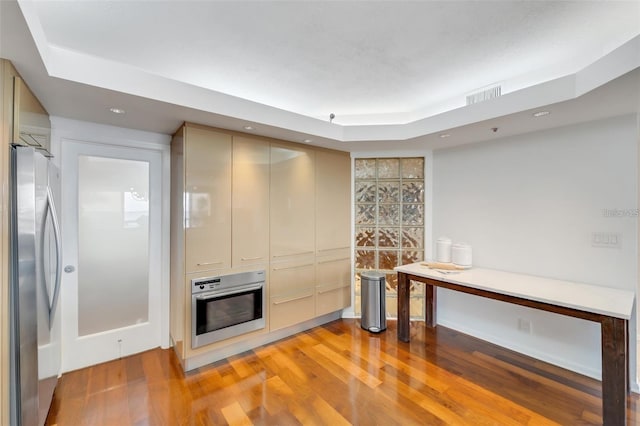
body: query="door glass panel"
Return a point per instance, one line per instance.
(113, 243)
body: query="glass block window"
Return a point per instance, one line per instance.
(389, 224)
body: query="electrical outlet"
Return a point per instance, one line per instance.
(606, 239)
(524, 325)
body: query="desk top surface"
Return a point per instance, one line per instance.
(585, 297)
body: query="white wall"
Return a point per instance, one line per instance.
(530, 204)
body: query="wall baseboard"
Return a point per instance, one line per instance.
(543, 356)
(246, 345)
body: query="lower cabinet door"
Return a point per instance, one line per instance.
(292, 292)
(291, 309)
(333, 288)
(332, 299)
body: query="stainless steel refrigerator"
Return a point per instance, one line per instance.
(35, 285)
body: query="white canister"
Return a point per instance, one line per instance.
(461, 255)
(443, 250)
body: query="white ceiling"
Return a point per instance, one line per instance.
(395, 74)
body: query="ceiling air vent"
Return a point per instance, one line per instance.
(484, 95)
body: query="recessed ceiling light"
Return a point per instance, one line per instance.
(117, 110)
(248, 128)
(445, 135)
(307, 140)
(541, 113)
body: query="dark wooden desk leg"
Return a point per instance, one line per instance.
(403, 307)
(626, 363)
(430, 305)
(614, 371)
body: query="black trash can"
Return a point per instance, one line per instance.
(373, 306)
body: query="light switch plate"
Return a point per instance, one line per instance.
(606, 239)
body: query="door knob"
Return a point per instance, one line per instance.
(69, 268)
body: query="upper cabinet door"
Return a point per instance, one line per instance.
(31, 125)
(207, 202)
(250, 241)
(292, 201)
(333, 201)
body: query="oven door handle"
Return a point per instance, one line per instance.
(215, 294)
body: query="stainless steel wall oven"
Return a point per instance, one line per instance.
(226, 306)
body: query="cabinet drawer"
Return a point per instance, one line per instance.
(331, 299)
(333, 289)
(291, 309)
(288, 278)
(334, 272)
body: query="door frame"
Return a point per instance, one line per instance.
(63, 129)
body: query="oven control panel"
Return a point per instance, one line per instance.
(207, 284)
(201, 285)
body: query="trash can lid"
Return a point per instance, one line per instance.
(373, 275)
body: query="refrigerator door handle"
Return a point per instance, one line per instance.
(51, 209)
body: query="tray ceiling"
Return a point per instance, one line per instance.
(395, 69)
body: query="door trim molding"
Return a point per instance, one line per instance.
(91, 133)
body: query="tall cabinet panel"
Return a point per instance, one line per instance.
(7, 73)
(178, 296)
(333, 230)
(333, 200)
(292, 199)
(207, 218)
(250, 202)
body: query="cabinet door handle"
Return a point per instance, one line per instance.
(333, 289)
(209, 263)
(293, 254)
(251, 258)
(334, 260)
(293, 299)
(293, 267)
(337, 248)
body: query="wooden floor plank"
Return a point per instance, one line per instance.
(348, 366)
(328, 414)
(473, 395)
(235, 415)
(503, 365)
(336, 374)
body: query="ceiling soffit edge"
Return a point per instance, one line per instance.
(94, 71)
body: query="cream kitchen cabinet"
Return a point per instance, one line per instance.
(207, 199)
(333, 283)
(292, 220)
(292, 293)
(292, 200)
(333, 231)
(333, 201)
(250, 202)
(7, 74)
(242, 203)
(31, 125)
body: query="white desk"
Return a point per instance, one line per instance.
(608, 306)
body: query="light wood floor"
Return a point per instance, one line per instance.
(337, 374)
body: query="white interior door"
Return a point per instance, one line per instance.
(111, 290)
